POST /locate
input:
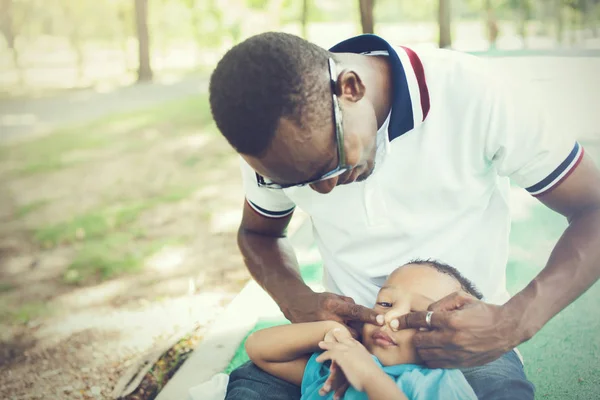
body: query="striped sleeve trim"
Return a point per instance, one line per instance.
(269, 213)
(559, 174)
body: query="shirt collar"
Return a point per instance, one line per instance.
(410, 103)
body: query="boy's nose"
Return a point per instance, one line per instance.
(391, 317)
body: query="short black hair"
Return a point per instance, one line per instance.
(264, 78)
(466, 284)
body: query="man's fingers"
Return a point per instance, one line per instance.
(431, 339)
(355, 312)
(441, 364)
(452, 302)
(417, 320)
(433, 354)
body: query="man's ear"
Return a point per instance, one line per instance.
(350, 86)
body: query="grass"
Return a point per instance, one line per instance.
(50, 153)
(106, 239)
(119, 253)
(23, 313)
(103, 221)
(26, 209)
(6, 287)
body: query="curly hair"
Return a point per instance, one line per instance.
(466, 284)
(264, 78)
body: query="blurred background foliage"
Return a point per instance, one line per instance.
(64, 43)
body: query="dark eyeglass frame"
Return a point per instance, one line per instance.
(342, 167)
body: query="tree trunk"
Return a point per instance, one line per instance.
(546, 16)
(491, 23)
(77, 45)
(141, 23)
(304, 19)
(558, 15)
(8, 31)
(195, 19)
(444, 21)
(366, 15)
(522, 18)
(123, 35)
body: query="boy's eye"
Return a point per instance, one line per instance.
(384, 304)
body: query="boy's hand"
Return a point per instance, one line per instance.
(351, 357)
(336, 381)
(340, 331)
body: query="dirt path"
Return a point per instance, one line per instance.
(26, 116)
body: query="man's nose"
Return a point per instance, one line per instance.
(325, 186)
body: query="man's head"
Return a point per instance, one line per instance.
(412, 287)
(272, 98)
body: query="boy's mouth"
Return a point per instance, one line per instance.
(383, 339)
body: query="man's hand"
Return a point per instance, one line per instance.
(464, 332)
(311, 306)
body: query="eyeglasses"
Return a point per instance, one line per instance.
(339, 135)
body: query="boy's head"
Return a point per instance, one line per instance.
(271, 96)
(412, 287)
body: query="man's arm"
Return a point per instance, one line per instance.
(574, 264)
(270, 257)
(467, 332)
(272, 262)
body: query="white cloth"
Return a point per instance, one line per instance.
(213, 389)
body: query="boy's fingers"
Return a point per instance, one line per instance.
(356, 312)
(339, 392)
(341, 335)
(324, 356)
(325, 345)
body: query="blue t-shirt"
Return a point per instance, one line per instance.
(415, 381)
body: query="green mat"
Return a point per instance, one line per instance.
(563, 359)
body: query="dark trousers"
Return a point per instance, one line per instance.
(502, 379)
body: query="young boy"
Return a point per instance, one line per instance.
(385, 365)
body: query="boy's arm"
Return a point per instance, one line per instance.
(382, 387)
(283, 351)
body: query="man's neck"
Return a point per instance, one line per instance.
(376, 74)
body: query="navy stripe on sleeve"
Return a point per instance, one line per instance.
(560, 173)
(269, 213)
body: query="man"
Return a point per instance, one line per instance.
(397, 155)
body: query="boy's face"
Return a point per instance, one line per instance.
(410, 288)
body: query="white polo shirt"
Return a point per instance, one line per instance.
(440, 188)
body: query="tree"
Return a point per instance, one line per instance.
(444, 21)
(7, 27)
(304, 19)
(74, 13)
(124, 27)
(141, 23)
(491, 23)
(366, 15)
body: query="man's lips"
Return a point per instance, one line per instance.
(383, 339)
